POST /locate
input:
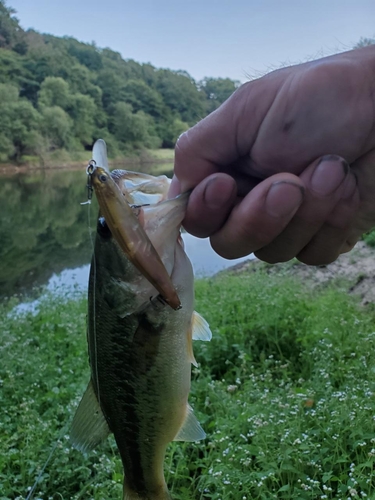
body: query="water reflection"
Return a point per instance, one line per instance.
(43, 228)
(45, 236)
(205, 263)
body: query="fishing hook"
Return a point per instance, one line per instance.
(89, 171)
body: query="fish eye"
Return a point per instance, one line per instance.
(103, 178)
(102, 229)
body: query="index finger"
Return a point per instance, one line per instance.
(202, 150)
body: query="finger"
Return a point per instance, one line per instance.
(325, 184)
(210, 204)
(223, 137)
(174, 188)
(329, 242)
(259, 217)
(201, 150)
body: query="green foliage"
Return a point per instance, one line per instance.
(19, 123)
(83, 111)
(218, 90)
(364, 42)
(369, 238)
(56, 127)
(11, 34)
(77, 84)
(285, 391)
(132, 128)
(54, 91)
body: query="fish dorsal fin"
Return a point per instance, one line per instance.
(201, 329)
(191, 429)
(89, 427)
(99, 154)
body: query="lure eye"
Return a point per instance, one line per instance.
(102, 228)
(103, 178)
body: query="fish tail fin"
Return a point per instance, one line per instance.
(133, 495)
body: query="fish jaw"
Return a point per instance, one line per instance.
(131, 237)
(141, 189)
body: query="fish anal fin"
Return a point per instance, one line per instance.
(191, 429)
(89, 427)
(200, 327)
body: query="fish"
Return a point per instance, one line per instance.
(140, 348)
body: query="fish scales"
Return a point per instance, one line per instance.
(142, 389)
(140, 348)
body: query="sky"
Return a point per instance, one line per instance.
(237, 39)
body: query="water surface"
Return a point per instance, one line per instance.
(45, 234)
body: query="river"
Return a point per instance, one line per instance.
(45, 234)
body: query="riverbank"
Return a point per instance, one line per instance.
(284, 391)
(352, 273)
(74, 160)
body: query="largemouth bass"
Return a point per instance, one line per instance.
(140, 348)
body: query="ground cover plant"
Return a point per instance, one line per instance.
(285, 391)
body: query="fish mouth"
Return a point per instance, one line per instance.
(120, 220)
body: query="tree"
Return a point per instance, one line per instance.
(111, 85)
(364, 42)
(181, 95)
(132, 129)
(54, 91)
(56, 127)
(82, 111)
(19, 124)
(87, 55)
(143, 98)
(11, 34)
(217, 91)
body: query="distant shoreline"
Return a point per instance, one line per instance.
(146, 158)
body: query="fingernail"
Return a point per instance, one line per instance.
(329, 174)
(218, 192)
(174, 188)
(284, 198)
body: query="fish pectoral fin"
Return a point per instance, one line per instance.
(89, 427)
(191, 429)
(201, 329)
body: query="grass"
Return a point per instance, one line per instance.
(285, 391)
(369, 238)
(166, 155)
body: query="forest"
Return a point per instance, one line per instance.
(59, 94)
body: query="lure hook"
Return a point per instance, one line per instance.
(89, 171)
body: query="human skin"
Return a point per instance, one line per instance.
(286, 166)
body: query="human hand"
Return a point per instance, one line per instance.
(268, 166)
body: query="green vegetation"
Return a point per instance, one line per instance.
(61, 94)
(285, 391)
(369, 238)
